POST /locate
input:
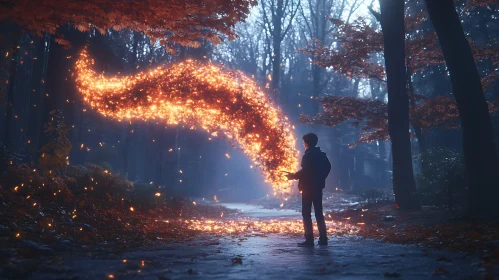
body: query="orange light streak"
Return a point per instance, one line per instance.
(220, 101)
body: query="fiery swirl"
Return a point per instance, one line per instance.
(224, 103)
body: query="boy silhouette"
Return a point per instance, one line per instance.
(315, 168)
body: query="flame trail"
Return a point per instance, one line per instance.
(222, 102)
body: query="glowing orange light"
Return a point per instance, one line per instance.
(201, 95)
(248, 225)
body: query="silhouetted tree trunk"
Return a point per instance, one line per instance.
(160, 150)
(10, 96)
(38, 81)
(280, 12)
(130, 128)
(58, 76)
(478, 144)
(392, 24)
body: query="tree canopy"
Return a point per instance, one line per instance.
(169, 21)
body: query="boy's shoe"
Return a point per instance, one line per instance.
(306, 243)
(322, 242)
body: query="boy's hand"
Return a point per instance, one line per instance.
(290, 176)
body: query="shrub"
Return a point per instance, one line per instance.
(442, 180)
(54, 154)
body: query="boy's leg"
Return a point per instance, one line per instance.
(319, 216)
(306, 211)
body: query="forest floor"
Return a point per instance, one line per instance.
(236, 246)
(434, 227)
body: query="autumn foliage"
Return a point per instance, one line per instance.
(372, 115)
(358, 44)
(91, 207)
(168, 21)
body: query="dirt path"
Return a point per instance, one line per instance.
(268, 257)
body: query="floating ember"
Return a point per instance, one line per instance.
(220, 101)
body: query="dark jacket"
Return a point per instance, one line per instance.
(315, 167)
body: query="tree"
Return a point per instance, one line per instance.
(372, 115)
(358, 41)
(169, 21)
(361, 41)
(480, 155)
(188, 23)
(392, 24)
(282, 13)
(317, 27)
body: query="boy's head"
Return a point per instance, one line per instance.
(310, 140)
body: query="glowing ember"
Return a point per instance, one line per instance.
(251, 226)
(219, 101)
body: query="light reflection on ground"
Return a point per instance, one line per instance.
(257, 227)
(256, 220)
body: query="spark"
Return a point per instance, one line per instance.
(131, 209)
(202, 95)
(158, 194)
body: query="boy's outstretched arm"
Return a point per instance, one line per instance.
(305, 166)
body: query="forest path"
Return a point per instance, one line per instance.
(270, 257)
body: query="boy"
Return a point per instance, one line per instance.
(315, 168)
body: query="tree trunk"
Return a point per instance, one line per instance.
(10, 97)
(161, 150)
(58, 82)
(478, 144)
(316, 87)
(38, 82)
(276, 46)
(382, 166)
(359, 154)
(125, 150)
(129, 127)
(392, 24)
